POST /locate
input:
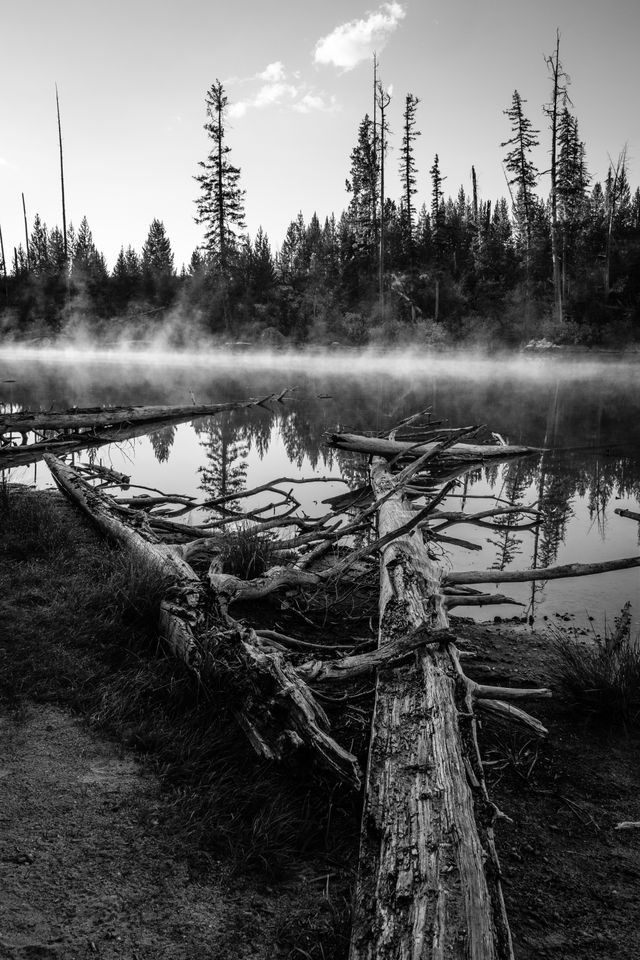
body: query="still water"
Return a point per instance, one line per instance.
(586, 413)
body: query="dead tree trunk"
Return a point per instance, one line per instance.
(180, 614)
(427, 882)
(276, 709)
(95, 427)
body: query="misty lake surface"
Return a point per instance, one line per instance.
(584, 411)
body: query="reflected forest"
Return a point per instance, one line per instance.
(558, 258)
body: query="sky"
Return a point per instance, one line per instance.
(132, 77)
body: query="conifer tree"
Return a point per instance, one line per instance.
(408, 173)
(383, 101)
(157, 264)
(437, 207)
(518, 162)
(221, 202)
(363, 187)
(437, 226)
(261, 267)
(39, 247)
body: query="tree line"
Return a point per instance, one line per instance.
(462, 268)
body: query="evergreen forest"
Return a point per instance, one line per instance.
(557, 259)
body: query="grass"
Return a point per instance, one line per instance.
(247, 553)
(604, 682)
(79, 629)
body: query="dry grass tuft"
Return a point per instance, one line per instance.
(602, 678)
(247, 553)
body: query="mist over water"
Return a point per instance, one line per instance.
(591, 405)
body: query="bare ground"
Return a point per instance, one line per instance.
(86, 868)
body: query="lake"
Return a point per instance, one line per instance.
(585, 411)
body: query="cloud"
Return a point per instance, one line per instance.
(277, 89)
(273, 72)
(352, 42)
(313, 101)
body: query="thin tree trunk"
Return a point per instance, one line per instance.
(64, 207)
(554, 65)
(26, 232)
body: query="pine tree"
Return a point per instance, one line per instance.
(437, 227)
(261, 267)
(87, 262)
(292, 260)
(519, 163)
(363, 187)
(408, 174)
(126, 278)
(157, 264)
(39, 247)
(226, 470)
(383, 100)
(221, 202)
(437, 207)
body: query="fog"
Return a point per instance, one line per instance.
(584, 409)
(416, 361)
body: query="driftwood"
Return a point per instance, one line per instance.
(90, 418)
(429, 877)
(540, 573)
(301, 721)
(382, 447)
(181, 608)
(81, 430)
(427, 884)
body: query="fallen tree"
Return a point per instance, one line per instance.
(429, 877)
(186, 628)
(76, 430)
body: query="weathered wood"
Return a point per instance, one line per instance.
(541, 573)
(361, 664)
(285, 720)
(381, 447)
(181, 611)
(89, 418)
(98, 433)
(427, 885)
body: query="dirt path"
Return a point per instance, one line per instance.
(86, 869)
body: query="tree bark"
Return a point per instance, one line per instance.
(427, 883)
(286, 716)
(378, 446)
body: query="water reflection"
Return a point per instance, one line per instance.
(586, 415)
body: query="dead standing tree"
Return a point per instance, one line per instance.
(429, 878)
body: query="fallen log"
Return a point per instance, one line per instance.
(181, 609)
(276, 724)
(90, 418)
(99, 434)
(428, 874)
(540, 573)
(381, 447)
